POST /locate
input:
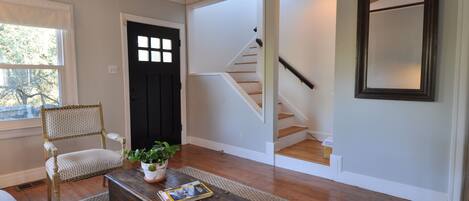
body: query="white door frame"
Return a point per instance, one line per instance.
(125, 69)
(460, 122)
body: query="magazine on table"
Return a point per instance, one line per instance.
(187, 192)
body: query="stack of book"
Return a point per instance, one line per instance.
(187, 192)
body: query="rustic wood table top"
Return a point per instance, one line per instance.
(128, 184)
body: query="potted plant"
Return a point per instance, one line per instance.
(153, 161)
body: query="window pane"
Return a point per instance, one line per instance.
(167, 57)
(155, 56)
(30, 45)
(143, 55)
(166, 44)
(24, 91)
(142, 41)
(155, 43)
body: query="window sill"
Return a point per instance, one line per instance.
(20, 128)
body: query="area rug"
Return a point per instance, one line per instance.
(236, 188)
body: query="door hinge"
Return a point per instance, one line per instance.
(180, 86)
(179, 42)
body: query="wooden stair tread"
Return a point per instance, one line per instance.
(245, 71)
(307, 150)
(255, 93)
(290, 130)
(249, 55)
(253, 47)
(243, 63)
(248, 81)
(284, 115)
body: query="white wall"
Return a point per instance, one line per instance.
(307, 42)
(402, 141)
(98, 44)
(218, 32)
(218, 113)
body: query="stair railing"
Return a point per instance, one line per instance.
(289, 67)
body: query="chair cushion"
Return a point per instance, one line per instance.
(84, 163)
(4, 196)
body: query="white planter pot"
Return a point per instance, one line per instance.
(154, 176)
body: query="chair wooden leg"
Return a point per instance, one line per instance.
(49, 188)
(104, 181)
(56, 182)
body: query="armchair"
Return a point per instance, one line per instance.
(70, 122)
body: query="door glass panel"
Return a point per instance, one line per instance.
(167, 57)
(166, 44)
(155, 43)
(142, 41)
(155, 56)
(142, 55)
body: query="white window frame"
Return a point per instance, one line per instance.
(67, 71)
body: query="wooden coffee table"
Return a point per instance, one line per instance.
(128, 185)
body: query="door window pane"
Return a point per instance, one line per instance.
(155, 56)
(24, 91)
(167, 57)
(155, 43)
(166, 44)
(143, 55)
(142, 41)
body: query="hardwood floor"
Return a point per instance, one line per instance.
(284, 183)
(308, 150)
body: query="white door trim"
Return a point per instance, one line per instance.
(460, 107)
(125, 69)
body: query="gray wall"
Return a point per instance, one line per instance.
(406, 142)
(98, 44)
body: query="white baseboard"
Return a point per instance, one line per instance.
(397, 189)
(22, 177)
(267, 157)
(321, 136)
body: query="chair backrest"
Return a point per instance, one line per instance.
(71, 121)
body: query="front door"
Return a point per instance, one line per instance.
(154, 84)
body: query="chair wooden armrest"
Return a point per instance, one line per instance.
(50, 148)
(115, 137)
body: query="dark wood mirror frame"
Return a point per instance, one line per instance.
(429, 58)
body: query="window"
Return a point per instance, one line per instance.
(37, 62)
(30, 59)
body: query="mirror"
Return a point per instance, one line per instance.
(396, 44)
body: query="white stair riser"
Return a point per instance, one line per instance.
(244, 76)
(251, 87)
(290, 140)
(243, 67)
(251, 51)
(246, 59)
(287, 122)
(256, 97)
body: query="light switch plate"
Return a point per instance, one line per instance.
(112, 69)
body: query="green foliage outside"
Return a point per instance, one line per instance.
(31, 46)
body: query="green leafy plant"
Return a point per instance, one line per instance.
(159, 153)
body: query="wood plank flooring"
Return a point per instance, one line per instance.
(284, 183)
(308, 150)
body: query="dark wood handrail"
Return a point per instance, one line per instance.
(285, 64)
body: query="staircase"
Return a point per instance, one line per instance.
(244, 71)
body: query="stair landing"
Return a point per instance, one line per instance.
(307, 150)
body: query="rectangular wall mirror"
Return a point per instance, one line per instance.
(396, 46)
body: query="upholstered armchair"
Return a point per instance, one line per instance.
(70, 122)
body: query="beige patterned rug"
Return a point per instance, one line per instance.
(236, 188)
